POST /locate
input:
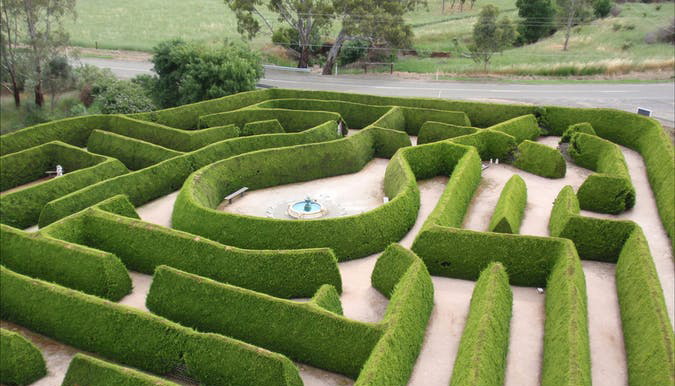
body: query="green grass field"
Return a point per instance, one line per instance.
(614, 44)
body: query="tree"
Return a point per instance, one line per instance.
(45, 36)
(569, 12)
(379, 22)
(304, 16)
(489, 36)
(58, 77)
(191, 72)
(537, 18)
(12, 59)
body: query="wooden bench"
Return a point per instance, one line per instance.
(236, 194)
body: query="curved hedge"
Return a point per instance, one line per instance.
(269, 126)
(21, 363)
(481, 358)
(292, 121)
(86, 370)
(436, 131)
(358, 235)
(540, 159)
(521, 128)
(137, 338)
(610, 190)
(583, 127)
(510, 208)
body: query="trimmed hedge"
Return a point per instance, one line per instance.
(269, 126)
(489, 143)
(21, 363)
(510, 208)
(328, 298)
(436, 131)
(521, 128)
(540, 159)
(21, 208)
(400, 275)
(304, 332)
(481, 358)
(360, 235)
(415, 117)
(137, 338)
(71, 265)
(87, 370)
(583, 127)
(292, 121)
(134, 153)
(610, 190)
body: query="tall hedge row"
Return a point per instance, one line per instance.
(521, 128)
(87, 370)
(304, 332)
(21, 363)
(70, 265)
(359, 235)
(539, 159)
(292, 121)
(137, 338)
(481, 358)
(610, 190)
(489, 143)
(134, 153)
(510, 208)
(436, 131)
(269, 126)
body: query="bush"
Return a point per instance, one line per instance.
(583, 127)
(86, 370)
(540, 159)
(137, 338)
(21, 363)
(510, 208)
(352, 51)
(123, 97)
(602, 8)
(481, 358)
(191, 72)
(610, 190)
(270, 126)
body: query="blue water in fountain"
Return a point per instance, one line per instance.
(300, 207)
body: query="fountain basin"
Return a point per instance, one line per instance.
(306, 209)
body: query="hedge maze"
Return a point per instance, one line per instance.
(223, 305)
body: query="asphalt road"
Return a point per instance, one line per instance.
(658, 97)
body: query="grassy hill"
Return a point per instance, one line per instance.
(614, 44)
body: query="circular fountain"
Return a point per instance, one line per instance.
(306, 209)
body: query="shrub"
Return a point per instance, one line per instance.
(270, 126)
(86, 370)
(352, 51)
(481, 358)
(137, 338)
(540, 159)
(602, 8)
(21, 363)
(436, 131)
(583, 127)
(510, 208)
(123, 97)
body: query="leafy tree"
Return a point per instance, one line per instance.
(304, 16)
(569, 12)
(58, 77)
(91, 80)
(378, 22)
(191, 72)
(489, 36)
(123, 97)
(538, 17)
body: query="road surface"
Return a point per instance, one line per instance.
(658, 97)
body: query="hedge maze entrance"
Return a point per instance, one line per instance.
(237, 299)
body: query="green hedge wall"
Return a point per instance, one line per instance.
(269, 126)
(436, 131)
(540, 159)
(583, 127)
(86, 370)
(328, 298)
(610, 190)
(31, 164)
(137, 338)
(21, 208)
(21, 363)
(71, 265)
(510, 208)
(292, 121)
(521, 128)
(135, 154)
(639, 133)
(416, 117)
(400, 275)
(359, 235)
(304, 332)
(489, 143)
(481, 358)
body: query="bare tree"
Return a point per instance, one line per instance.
(10, 17)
